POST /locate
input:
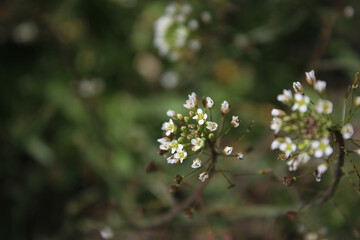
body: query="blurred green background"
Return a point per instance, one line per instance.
(83, 97)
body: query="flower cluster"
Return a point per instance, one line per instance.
(176, 30)
(307, 128)
(188, 136)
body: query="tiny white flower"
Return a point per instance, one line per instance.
(225, 107)
(301, 102)
(196, 163)
(191, 102)
(347, 131)
(304, 157)
(298, 88)
(205, 17)
(181, 155)
(186, 9)
(357, 101)
(172, 159)
(277, 113)
(212, 126)
(240, 156)
(293, 164)
(276, 125)
(321, 148)
(287, 147)
(193, 24)
(357, 151)
(203, 176)
(171, 113)
(324, 106)
(209, 102)
(286, 97)
(310, 77)
(175, 146)
(235, 121)
(165, 143)
(200, 116)
(106, 233)
(320, 86)
(169, 127)
(198, 144)
(170, 8)
(320, 170)
(228, 150)
(275, 144)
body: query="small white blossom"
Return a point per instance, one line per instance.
(196, 163)
(276, 125)
(304, 157)
(347, 131)
(165, 143)
(195, 44)
(225, 107)
(169, 127)
(212, 126)
(277, 113)
(357, 101)
(286, 97)
(170, 8)
(357, 151)
(240, 156)
(293, 164)
(198, 144)
(298, 88)
(193, 24)
(181, 155)
(191, 102)
(275, 144)
(186, 9)
(205, 17)
(175, 146)
(106, 233)
(321, 148)
(320, 170)
(324, 106)
(228, 150)
(287, 147)
(235, 121)
(209, 103)
(320, 86)
(200, 116)
(310, 77)
(171, 113)
(172, 159)
(203, 176)
(301, 102)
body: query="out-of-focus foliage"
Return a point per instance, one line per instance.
(84, 93)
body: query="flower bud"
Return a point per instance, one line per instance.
(191, 114)
(171, 113)
(240, 155)
(298, 88)
(310, 77)
(180, 117)
(183, 134)
(208, 102)
(282, 157)
(357, 101)
(211, 136)
(180, 139)
(288, 181)
(356, 81)
(183, 128)
(178, 179)
(225, 107)
(186, 119)
(277, 112)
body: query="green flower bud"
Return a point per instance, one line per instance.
(191, 113)
(186, 119)
(179, 116)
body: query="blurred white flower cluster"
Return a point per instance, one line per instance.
(308, 129)
(188, 136)
(176, 30)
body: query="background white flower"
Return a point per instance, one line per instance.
(320, 86)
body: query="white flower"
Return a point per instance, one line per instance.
(181, 155)
(228, 150)
(235, 121)
(172, 159)
(193, 24)
(171, 113)
(304, 157)
(276, 144)
(165, 143)
(170, 8)
(200, 116)
(287, 147)
(182, 34)
(205, 17)
(162, 26)
(298, 88)
(106, 233)
(169, 127)
(293, 164)
(357, 151)
(175, 146)
(212, 126)
(225, 107)
(186, 9)
(209, 102)
(191, 102)
(320, 170)
(357, 101)
(320, 86)
(310, 77)
(240, 156)
(276, 125)
(198, 144)
(195, 44)
(286, 97)
(196, 163)
(203, 176)
(321, 148)
(301, 102)
(347, 131)
(324, 106)
(277, 113)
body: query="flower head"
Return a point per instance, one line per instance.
(235, 121)
(321, 148)
(200, 116)
(175, 146)
(196, 163)
(181, 155)
(203, 176)
(320, 86)
(287, 147)
(228, 150)
(212, 126)
(198, 144)
(164, 143)
(191, 102)
(347, 131)
(209, 103)
(324, 106)
(286, 97)
(301, 102)
(171, 113)
(169, 127)
(225, 107)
